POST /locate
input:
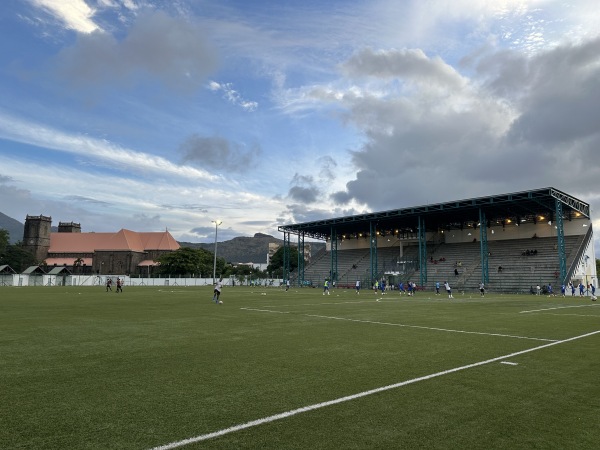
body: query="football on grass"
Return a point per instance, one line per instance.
(221, 302)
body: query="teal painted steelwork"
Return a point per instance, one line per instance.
(373, 246)
(301, 259)
(485, 272)
(560, 235)
(422, 251)
(334, 256)
(286, 256)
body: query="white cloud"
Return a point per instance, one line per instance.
(232, 96)
(106, 201)
(17, 130)
(74, 14)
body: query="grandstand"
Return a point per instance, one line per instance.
(510, 242)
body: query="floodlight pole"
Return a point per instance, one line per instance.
(217, 223)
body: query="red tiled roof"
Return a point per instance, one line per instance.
(121, 240)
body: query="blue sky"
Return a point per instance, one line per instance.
(148, 115)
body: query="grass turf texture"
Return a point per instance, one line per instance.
(82, 368)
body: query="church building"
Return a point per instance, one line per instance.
(123, 252)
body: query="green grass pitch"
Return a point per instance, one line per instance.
(81, 368)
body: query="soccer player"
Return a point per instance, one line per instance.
(357, 287)
(482, 289)
(217, 291)
(437, 288)
(448, 289)
(326, 287)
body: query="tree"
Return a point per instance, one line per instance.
(186, 261)
(276, 263)
(77, 264)
(17, 257)
(4, 240)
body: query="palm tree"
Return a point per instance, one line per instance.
(77, 265)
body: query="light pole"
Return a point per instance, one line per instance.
(217, 223)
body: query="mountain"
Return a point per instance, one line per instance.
(247, 249)
(14, 228)
(241, 249)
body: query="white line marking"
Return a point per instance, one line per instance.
(293, 412)
(265, 310)
(509, 363)
(558, 307)
(579, 315)
(431, 328)
(404, 325)
(317, 304)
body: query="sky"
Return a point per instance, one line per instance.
(172, 114)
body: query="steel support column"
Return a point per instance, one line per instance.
(560, 235)
(286, 256)
(485, 271)
(373, 246)
(422, 251)
(301, 259)
(334, 256)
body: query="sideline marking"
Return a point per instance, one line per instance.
(293, 412)
(558, 307)
(431, 328)
(578, 315)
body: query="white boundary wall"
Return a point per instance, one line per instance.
(100, 280)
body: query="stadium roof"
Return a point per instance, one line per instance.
(526, 206)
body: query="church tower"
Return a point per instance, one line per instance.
(69, 227)
(36, 236)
